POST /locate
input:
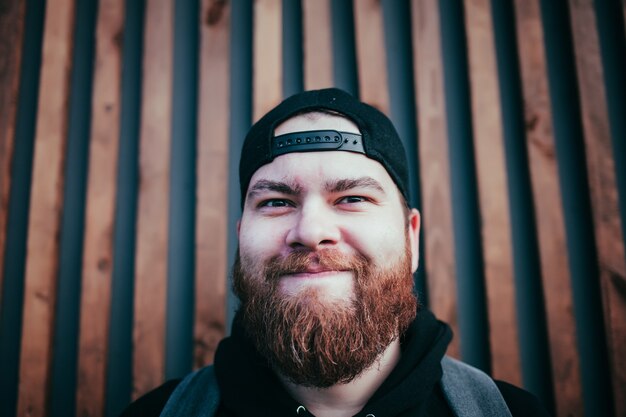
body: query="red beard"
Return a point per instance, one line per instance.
(320, 343)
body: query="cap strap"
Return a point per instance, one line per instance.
(316, 141)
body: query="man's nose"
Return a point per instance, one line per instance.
(314, 228)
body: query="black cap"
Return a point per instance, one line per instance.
(379, 140)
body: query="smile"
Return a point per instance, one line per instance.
(333, 283)
(314, 274)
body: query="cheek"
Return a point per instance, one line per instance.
(258, 239)
(382, 241)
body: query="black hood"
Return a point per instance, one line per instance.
(250, 388)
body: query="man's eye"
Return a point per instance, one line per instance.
(352, 199)
(276, 203)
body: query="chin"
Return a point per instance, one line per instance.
(318, 296)
(335, 290)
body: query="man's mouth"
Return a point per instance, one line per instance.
(314, 267)
(313, 273)
(334, 283)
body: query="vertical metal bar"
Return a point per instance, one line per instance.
(397, 26)
(293, 71)
(583, 256)
(119, 360)
(240, 121)
(344, 52)
(531, 316)
(65, 350)
(19, 206)
(466, 218)
(182, 214)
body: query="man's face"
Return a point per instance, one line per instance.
(326, 235)
(324, 200)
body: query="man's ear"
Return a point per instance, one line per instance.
(238, 227)
(414, 238)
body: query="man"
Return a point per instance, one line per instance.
(329, 324)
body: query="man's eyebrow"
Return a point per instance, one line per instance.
(338, 186)
(275, 186)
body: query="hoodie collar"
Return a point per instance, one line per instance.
(250, 387)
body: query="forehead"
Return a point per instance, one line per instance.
(310, 171)
(316, 121)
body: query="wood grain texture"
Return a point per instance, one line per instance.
(267, 56)
(152, 214)
(603, 187)
(434, 165)
(371, 56)
(492, 190)
(212, 181)
(11, 40)
(318, 61)
(100, 211)
(46, 200)
(548, 209)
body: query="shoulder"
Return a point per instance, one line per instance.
(521, 403)
(459, 378)
(151, 404)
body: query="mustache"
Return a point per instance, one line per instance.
(325, 259)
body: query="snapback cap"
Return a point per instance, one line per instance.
(378, 140)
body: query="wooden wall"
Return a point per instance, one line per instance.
(120, 129)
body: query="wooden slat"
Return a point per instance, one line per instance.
(548, 207)
(492, 188)
(603, 186)
(267, 56)
(371, 57)
(45, 210)
(435, 165)
(100, 211)
(212, 191)
(11, 39)
(318, 71)
(152, 216)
